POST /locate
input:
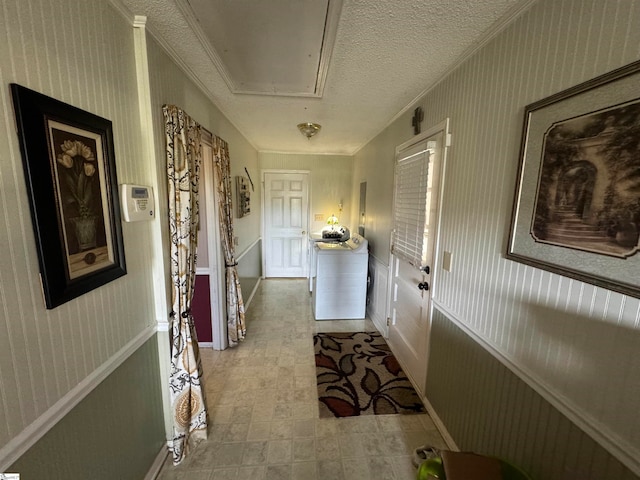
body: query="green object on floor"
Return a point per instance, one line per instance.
(433, 468)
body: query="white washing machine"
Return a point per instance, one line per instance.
(313, 257)
(340, 282)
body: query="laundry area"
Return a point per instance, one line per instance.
(338, 269)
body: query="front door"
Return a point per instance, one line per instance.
(286, 199)
(419, 164)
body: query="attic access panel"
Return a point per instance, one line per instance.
(280, 47)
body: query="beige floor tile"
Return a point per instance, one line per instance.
(263, 409)
(304, 411)
(279, 472)
(252, 473)
(228, 454)
(326, 427)
(279, 451)
(224, 474)
(403, 468)
(304, 449)
(330, 470)
(328, 448)
(281, 429)
(304, 428)
(255, 453)
(259, 431)
(236, 432)
(304, 471)
(262, 412)
(354, 470)
(351, 446)
(381, 466)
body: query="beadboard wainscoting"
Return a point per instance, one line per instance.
(115, 431)
(489, 409)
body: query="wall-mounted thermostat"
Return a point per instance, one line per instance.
(137, 202)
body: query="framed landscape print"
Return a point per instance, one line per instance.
(69, 168)
(577, 205)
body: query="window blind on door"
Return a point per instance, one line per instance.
(410, 203)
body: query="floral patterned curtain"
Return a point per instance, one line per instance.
(236, 329)
(184, 155)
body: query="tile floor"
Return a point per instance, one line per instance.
(263, 409)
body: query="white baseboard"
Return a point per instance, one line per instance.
(253, 292)
(205, 344)
(440, 426)
(379, 322)
(156, 467)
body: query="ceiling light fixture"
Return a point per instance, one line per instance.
(309, 129)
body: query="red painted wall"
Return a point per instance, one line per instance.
(201, 309)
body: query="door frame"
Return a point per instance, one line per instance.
(263, 172)
(442, 126)
(215, 260)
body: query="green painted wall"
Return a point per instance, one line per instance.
(488, 409)
(116, 432)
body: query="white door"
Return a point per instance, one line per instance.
(419, 164)
(286, 219)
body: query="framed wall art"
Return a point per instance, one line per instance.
(243, 196)
(69, 166)
(577, 202)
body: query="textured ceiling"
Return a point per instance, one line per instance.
(385, 55)
(274, 48)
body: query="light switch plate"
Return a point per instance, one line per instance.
(446, 261)
(319, 217)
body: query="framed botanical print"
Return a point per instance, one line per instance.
(69, 166)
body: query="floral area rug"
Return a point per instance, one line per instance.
(358, 375)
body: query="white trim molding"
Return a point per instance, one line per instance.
(157, 464)
(253, 292)
(448, 439)
(248, 249)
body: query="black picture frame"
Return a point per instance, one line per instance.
(69, 166)
(577, 202)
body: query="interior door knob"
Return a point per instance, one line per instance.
(423, 286)
(426, 269)
(304, 232)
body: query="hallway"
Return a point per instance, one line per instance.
(263, 408)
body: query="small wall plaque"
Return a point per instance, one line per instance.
(243, 196)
